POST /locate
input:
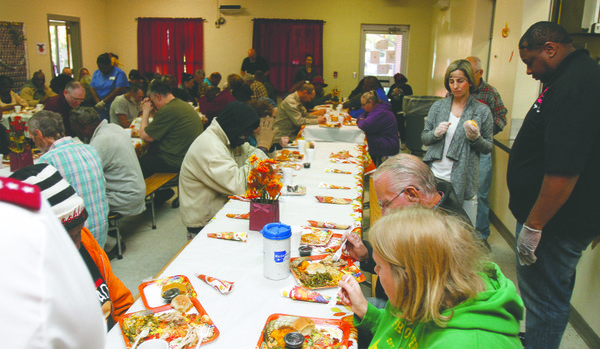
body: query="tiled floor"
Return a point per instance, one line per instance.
(148, 251)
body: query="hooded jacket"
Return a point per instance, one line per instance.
(212, 169)
(490, 321)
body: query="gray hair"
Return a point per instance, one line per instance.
(405, 170)
(84, 116)
(48, 122)
(477, 61)
(370, 96)
(73, 85)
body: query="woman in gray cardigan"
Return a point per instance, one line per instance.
(455, 144)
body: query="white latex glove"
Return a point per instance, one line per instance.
(472, 131)
(441, 129)
(526, 245)
(100, 105)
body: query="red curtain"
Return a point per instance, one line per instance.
(285, 43)
(170, 45)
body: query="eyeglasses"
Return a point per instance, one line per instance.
(385, 206)
(76, 99)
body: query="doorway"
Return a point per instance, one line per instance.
(65, 43)
(383, 52)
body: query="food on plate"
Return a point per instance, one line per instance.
(178, 285)
(332, 124)
(351, 122)
(322, 272)
(316, 335)
(472, 123)
(182, 303)
(304, 325)
(293, 165)
(315, 236)
(179, 329)
(288, 155)
(310, 145)
(332, 200)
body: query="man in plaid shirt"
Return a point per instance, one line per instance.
(487, 94)
(78, 163)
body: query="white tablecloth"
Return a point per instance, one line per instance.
(25, 115)
(349, 134)
(241, 315)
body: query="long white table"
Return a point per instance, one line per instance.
(241, 315)
(349, 134)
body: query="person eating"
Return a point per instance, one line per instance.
(443, 296)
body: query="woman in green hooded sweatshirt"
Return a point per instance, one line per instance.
(442, 293)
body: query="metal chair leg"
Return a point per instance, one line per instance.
(152, 207)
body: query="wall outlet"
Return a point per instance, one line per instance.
(354, 75)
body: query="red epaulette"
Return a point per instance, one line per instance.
(20, 193)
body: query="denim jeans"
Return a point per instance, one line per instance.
(470, 207)
(483, 203)
(547, 286)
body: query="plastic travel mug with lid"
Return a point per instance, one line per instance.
(276, 250)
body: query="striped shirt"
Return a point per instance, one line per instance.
(81, 166)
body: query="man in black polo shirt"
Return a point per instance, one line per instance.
(254, 63)
(552, 178)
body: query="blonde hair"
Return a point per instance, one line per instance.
(464, 66)
(434, 259)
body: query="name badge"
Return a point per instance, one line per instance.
(112, 78)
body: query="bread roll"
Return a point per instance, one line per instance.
(472, 122)
(304, 325)
(182, 303)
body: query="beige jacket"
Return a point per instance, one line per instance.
(291, 115)
(210, 173)
(14, 99)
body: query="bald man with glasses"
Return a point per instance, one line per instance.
(403, 180)
(72, 96)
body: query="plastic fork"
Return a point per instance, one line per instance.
(202, 333)
(338, 254)
(142, 334)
